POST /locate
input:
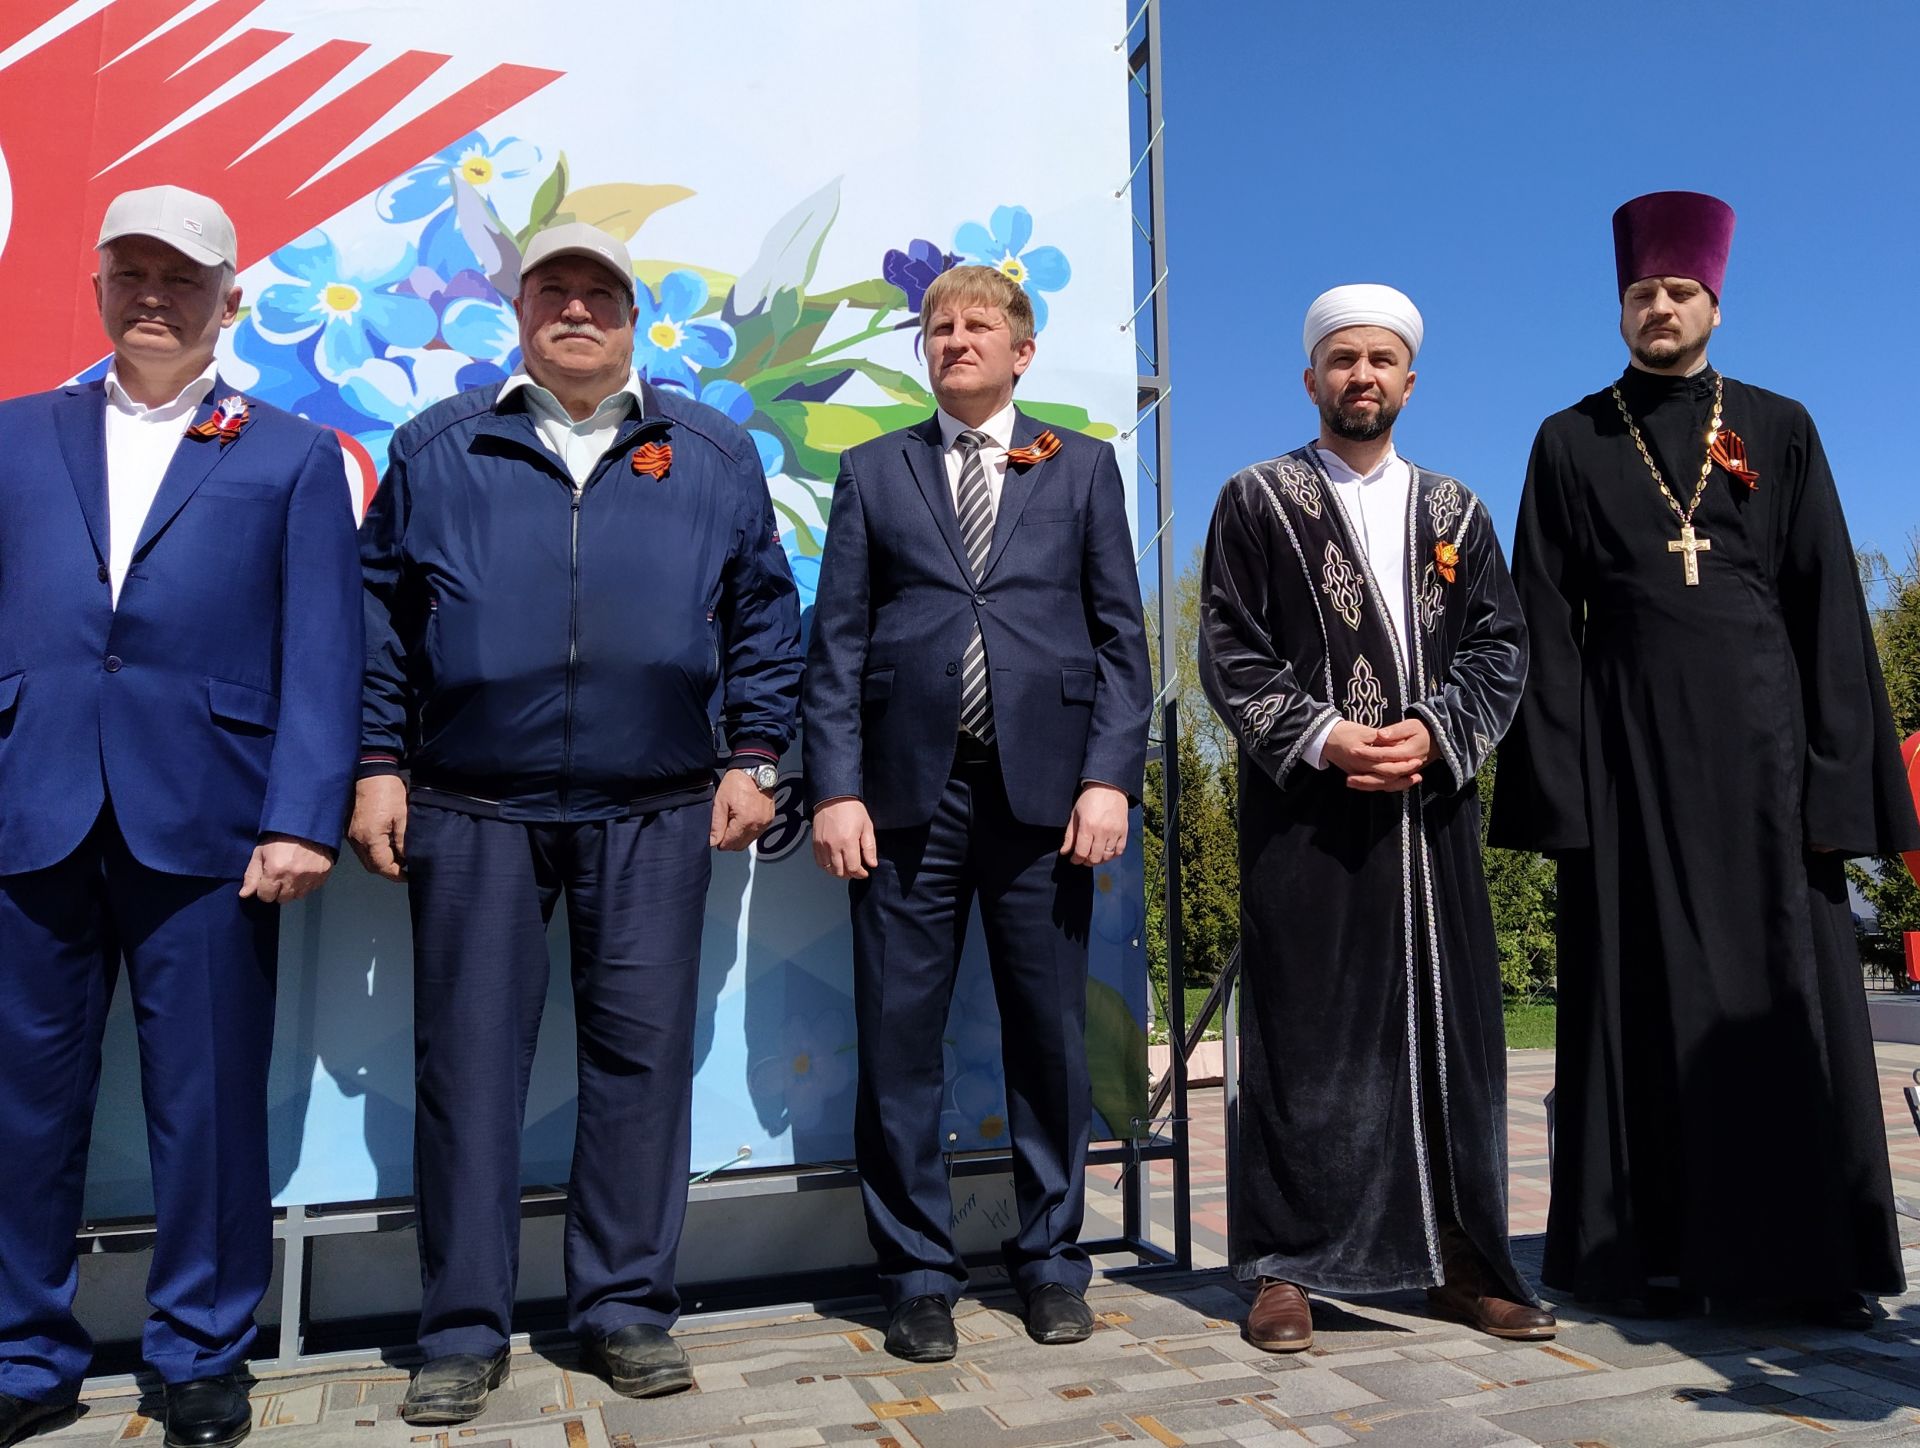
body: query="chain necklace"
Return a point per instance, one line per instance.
(1690, 544)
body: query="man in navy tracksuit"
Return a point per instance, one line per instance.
(574, 589)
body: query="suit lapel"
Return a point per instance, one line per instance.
(193, 459)
(1015, 488)
(929, 467)
(81, 425)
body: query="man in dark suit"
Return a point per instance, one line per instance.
(180, 658)
(976, 704)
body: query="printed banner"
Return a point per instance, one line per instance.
(789, 180)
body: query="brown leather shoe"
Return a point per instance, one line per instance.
(1281, 1319)
(1495, 1316)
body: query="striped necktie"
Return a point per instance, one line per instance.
(975, 504)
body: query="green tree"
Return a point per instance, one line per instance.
(1520, 885)
(1206, 759)
(1521, 889)
(1885, 884)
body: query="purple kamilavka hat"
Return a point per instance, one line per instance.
(1673, 234)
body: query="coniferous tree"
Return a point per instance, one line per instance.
(1886, 884)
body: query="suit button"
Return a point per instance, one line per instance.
(953, 669)
(113, 663)
(101, 573)
(980, 599)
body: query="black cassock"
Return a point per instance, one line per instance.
(1373, 1079)
(1700, 760)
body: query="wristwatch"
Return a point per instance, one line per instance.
(764, 776)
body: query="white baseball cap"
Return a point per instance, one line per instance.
(192, 224)
(577, 238)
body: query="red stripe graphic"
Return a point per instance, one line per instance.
(73, 108)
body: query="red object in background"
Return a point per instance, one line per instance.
(1913, 956)
(79, 117)
(1910, 752)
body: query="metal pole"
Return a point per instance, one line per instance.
(1169, 632)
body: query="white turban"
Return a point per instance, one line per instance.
(1364, 304)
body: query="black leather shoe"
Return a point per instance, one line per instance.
(452, 1389)
(1057, 1314)
(1847, 1310)
(642, 1361)
(921, 1330)
(1659, 1303)
(208, 1413)
(21, 1417)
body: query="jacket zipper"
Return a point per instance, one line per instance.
(573, 649)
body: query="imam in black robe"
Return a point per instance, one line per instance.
(1700, 761)
(1372, 1111)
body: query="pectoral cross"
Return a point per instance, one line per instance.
(1693, 546)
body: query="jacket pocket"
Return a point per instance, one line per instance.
(1050, 515)
(1076, 686)
(876, 686)
(253, 709)
(10, 690)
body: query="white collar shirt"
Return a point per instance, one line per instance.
(993, 457)
(1375, 503)
(141, 441)
(579, 445)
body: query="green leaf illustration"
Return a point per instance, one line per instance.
(872, 296)
(809, 543)
(1060, 414)
(619, 207)
(788, 303)
(820, 431)
(1117, 1061)
(546, 201)
(897, 385)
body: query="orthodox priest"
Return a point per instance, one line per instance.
(1359, 635)
(1704, 740)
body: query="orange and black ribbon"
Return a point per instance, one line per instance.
(1037, 451)
(225, 424)
(653, 459)
(1731, 453)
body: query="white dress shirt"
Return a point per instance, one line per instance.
(1376, 506)
(140, 445)
(993, 457)
(578, 445)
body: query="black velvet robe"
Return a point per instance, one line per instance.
(1364, 917)
(1701, 760)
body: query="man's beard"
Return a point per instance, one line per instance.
(1357, 426)
(1674, 351)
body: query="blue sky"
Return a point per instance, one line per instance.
(1472, 155)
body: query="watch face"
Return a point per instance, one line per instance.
(766, 776)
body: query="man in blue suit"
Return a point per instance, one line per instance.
(179, 679)
(976, 704)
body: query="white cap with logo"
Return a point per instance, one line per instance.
(192, 224)
(577, 238)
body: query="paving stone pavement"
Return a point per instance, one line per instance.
(1167, 1365)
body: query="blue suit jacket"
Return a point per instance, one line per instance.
(221, 700)
(1059, 610)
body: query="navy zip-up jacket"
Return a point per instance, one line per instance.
(544, 654)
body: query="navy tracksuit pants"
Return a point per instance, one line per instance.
(481, 892)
